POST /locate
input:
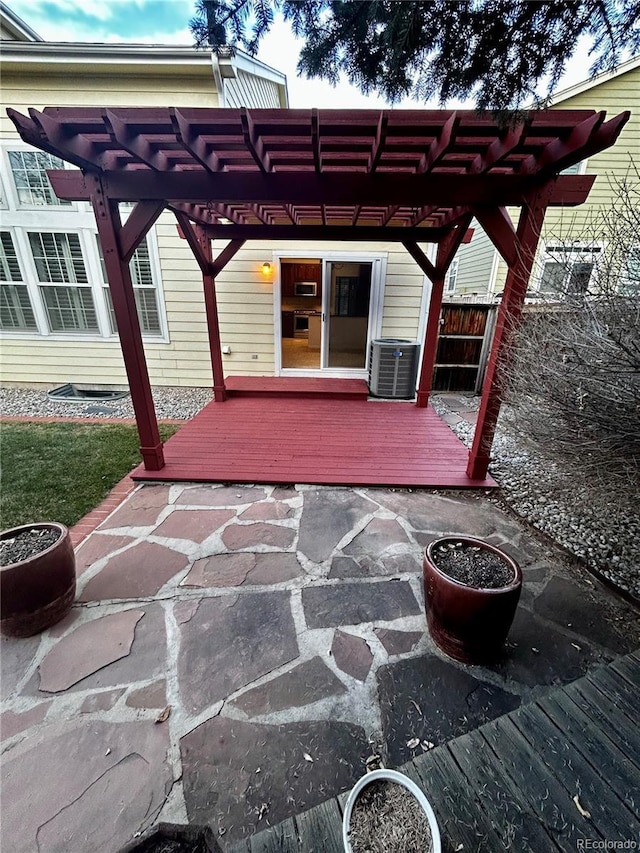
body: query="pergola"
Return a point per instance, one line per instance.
(414, 177)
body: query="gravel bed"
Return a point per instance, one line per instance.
(171, 403)
(588, 522)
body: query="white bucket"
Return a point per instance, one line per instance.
(401, 779)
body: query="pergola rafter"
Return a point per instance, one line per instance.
(413, 177)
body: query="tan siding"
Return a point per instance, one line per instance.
(475, 262)
(611, 166)
(41, 90)
(248, 90)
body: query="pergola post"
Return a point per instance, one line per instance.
(520, 249)
(213, 321)
(447, 249)
(126, 315)
(430, 348)
(199, 241)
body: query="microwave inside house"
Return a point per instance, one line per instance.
(305, 288)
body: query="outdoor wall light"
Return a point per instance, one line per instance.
(266, 268)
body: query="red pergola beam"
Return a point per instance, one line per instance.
(331, 188)
(140, 221)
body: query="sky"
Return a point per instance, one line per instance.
(167, 22)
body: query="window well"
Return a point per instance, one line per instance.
(76, 393)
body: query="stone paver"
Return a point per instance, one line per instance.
(101, 701)
(16, 655)
(194, 524)
(138, 511)
(152, 696)
(288, 647)
(573, 607)
(237, 536)
(428, 699)
(87, 649)
(266, 511)
(98, 784)
(225, 570)
(12, 723)
(398, 642)
(225, 496)
(352, 654)
(304, 684)
(242, 777)
(96, 547)
(138, 572)
(327, 516)
(378, 535)
(230, 641)
(351, 604)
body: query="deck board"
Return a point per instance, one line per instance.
(316, 440)
(510, 784)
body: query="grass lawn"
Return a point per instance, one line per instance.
(61, 471)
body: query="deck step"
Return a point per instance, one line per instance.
(292, 386)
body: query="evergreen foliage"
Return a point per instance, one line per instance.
(495, 51)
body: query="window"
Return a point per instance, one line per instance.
(451, 277)
(568, 270)
(30, 178)
(631, 279)
(351, 296)
(16, 311)
(58, 261)
(577, 169)
(144, 290)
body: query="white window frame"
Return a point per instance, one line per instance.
(568, 254)
(25, 283)
(154, 262)
(626, 278)
(95, 280)
(76, 218)
(90, 283)
(13, 199)
(452, 275)
(378, 261)
(581, 170)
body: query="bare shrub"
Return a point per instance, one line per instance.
(573, 390)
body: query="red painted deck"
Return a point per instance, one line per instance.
(316, 440)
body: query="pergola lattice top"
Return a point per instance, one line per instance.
(405, 171)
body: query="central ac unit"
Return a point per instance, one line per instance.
(393, 368)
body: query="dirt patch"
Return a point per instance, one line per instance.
(386, 817)
(472, 565)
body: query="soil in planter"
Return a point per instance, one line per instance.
(472, 565)
(27, 544)
(387, 818)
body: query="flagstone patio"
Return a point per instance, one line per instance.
(236, 654)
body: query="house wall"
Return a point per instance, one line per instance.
(246, 300)
(182, 358)
(612, 165)
(475, 263)
(250, 89)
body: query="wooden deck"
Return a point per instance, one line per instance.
(318, 440)
(522, 782)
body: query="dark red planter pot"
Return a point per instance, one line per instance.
(37, 592)
(467, 623)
